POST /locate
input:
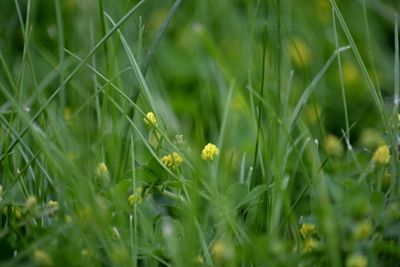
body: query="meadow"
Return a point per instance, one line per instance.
(199, 133)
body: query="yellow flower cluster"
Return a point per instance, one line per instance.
(307, 230)
(101, 169)
(136, 198)
(333, 146)
(150, 119)
(102, 177)
(209, 152)
(363, 230)
(356, 260)
(172, 161)
(382, 155)
(42, 258)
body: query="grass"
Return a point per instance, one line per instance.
(109, 108)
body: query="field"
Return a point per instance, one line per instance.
(199, 133)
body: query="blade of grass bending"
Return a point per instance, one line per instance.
(150, 54)
(74, 72)
(340, 69)
(259, 115)
(138, 73)
(60, 46)
(376, 95)
(307, 92)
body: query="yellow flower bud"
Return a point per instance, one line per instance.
(382, 155)
(150, 119)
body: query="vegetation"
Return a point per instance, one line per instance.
(199, 133)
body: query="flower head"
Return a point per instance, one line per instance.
(172, 161)
(30, 202)
(42, 258)
(362, 230)
(310, 245)
(356, 260)
(307, 230)
(150, 119)
(209, 152)
(52, 205)
(136, 197)
(333, 146)
(381, 155)
(222, 251)
(102, 176)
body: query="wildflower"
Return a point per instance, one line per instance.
(14, 210)
(30, 202)
(52, 206)
(381, 155)
(350, 73)
(371, 138)
(209, 152)
(102, 175)
(42, 258)
(198, 259)
(222, 251)
(300, 52)
(307, 230)
(68, 115)
(68, 218)
(102, 169)
(150, 119)
(333, 146)
(356, 260)
(136, 197)
(172, 161)
(85, 252)
(362, 231)
(310, 245)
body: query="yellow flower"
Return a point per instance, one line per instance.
(356, 260)
(14, 210)
(307, 230)
(52, 204)
(209, 152)
(350, 73)
(30, 202)
(102, 169)
(381, 155)
(150, 119)
(68, 115)
(172, 161)
(333, 146)
(362, 231)
(136, 197)
(310, 245)
(222, 251)
(102, 175)
(299, 52)
(42, 258)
